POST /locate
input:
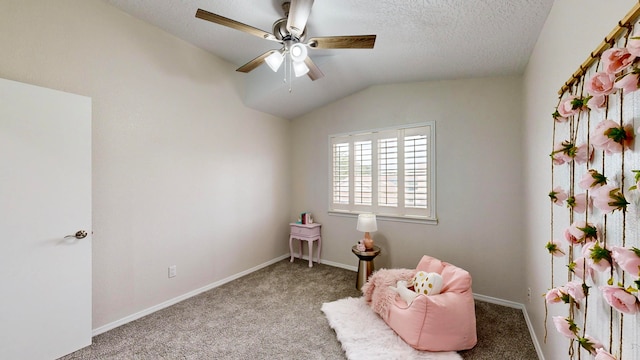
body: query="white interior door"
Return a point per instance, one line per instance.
(45, 194)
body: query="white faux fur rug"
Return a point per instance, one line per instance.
(364, 335)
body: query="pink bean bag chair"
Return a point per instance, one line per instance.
(441, 322)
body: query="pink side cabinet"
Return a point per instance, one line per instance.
(308, 233)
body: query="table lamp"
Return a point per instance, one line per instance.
(367, 223)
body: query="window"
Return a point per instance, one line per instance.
(389, 172)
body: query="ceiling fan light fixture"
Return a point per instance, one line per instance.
(300, 68)
(274, 60)
(298, 52)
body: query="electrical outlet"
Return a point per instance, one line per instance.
(172, 271)
(529, 294)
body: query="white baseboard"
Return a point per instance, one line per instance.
(515, 305)
(177, 299)
(331, 263)
(492, 300)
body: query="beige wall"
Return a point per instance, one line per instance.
(479, 191)
(573, 29)
(180, 165)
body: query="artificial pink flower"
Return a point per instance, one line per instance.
(628, 82)
(582, 155)
(574, 289)
(571, 290)
(611, 137)
(620, 299)
(579, 203)
(597, 257)
(580, 232)
(609, 198)
(592, 179)
(558, 195)
(597, 102)
(553, 296)
(601, 354)
(601, 83)
(565, 326)
(615, 60)
(590, 344)
(627, 259)
(633, 46)
(578, 267)
(555, 249)
(563, 152)
(570, 106)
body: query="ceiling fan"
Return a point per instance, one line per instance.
(290, 31)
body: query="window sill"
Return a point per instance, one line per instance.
(406, 219)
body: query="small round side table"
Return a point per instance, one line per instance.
(365, 265)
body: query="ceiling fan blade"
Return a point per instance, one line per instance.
(343, 42)
(221, 20)
(255, 62)
(298, 15)
(314, 72)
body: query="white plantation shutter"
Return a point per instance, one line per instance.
(416, 179)
(362, 168)
(340, 173)
(388, 172)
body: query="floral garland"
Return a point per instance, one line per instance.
(590, 253)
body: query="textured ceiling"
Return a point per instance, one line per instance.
(417, 40)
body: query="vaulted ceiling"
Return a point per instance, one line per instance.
(417, 40)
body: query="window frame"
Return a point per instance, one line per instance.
(400, 213)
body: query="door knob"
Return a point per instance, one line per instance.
(80, 234)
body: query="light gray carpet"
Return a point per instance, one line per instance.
(274, 313)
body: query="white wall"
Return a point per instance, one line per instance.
(573, 29)
(479, 190)
(180, 166)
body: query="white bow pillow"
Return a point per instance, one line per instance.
(427, 283)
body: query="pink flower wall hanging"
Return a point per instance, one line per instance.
(620, 299)
(592, 179)
(627, 259)
(615, 60)
(610, 137)
(609, 198)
